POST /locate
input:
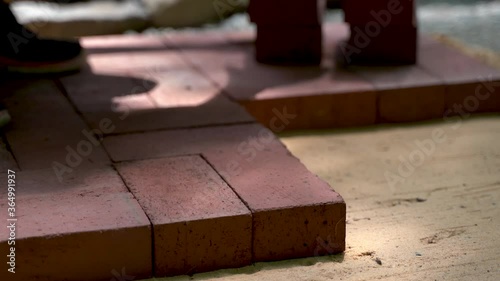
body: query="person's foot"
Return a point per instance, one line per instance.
(41, 56)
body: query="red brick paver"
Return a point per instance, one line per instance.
(471, 86)
(405, 93)
(118, 53)
(148, 89)
(199, 222)
(291, 207)
(321, 97)
(46, 129)
(84, 228)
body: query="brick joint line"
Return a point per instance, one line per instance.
(146, 214)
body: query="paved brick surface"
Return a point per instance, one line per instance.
(199, 222)
(84, 182)
(449, 64)
(148, 90)
(405, 93)
(122, 43)
(46, 129)
(119, 53)
(188, 99)
(471, 86)
(196, 40)
(255, 164)
(234, 69)
(317, 95)
(412, 104)
(313, 111)
(63, 229)
(203, 171)
(391, 94)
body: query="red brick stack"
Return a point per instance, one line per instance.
(382, 32)
(288, 31)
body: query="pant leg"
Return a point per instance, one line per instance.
(9, 22)
(12, 34)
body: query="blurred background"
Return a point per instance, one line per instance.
(474, 22)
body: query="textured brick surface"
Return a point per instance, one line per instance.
(405, 93)
(123, 61)
(188, 99)
(162, 97)
(120, 43)
(411, 104)
(286, 13)
(84, 182)
(266, 177)
(63, 229)
(473, 97)
(449, 64)
(196, 40)
(471, 86)
(119, 53)
(199, 222)
(101, 91)
(232, 69)
(317, 95)
(310, 111)
(46, 129)
(396, 77)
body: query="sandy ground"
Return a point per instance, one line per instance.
(436, 219)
